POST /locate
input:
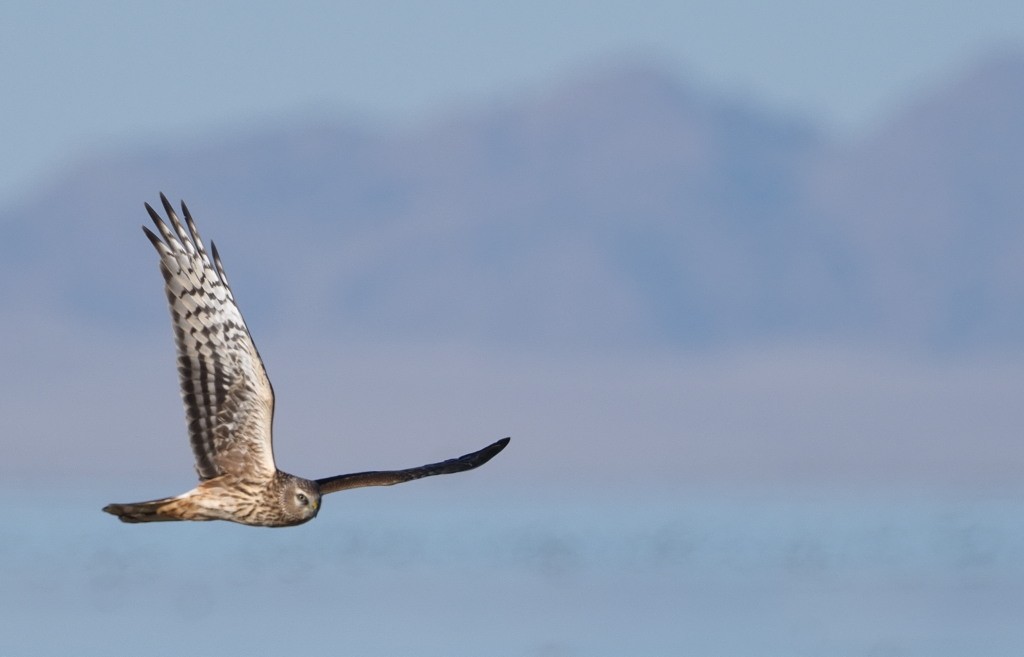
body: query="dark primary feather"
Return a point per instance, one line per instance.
(391, 477)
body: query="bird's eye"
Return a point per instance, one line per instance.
(302, 498)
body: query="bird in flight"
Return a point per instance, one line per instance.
(229, 403)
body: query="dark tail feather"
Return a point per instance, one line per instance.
(154, 511)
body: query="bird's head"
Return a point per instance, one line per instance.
(300, 499)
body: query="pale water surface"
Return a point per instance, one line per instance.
(452, 571)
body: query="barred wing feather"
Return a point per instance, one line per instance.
(229, 402)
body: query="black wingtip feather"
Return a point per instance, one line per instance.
(152, 237)
(194, 232)
(492, 450)
(217, 263)
(189, 222)
(153, 214)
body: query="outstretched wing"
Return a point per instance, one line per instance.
(229, 403)
(392, 477)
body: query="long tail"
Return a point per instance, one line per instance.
(162, 510)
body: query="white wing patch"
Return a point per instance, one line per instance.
(229, 403)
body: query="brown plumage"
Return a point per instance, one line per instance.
(229, 403)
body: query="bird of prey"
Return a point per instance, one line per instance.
(229, 403)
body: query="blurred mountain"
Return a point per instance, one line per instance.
(619, 209)
(932, 207)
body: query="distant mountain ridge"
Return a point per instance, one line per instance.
(620, 209)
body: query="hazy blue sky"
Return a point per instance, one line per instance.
(76, 76)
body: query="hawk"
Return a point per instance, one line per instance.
(229, 403)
